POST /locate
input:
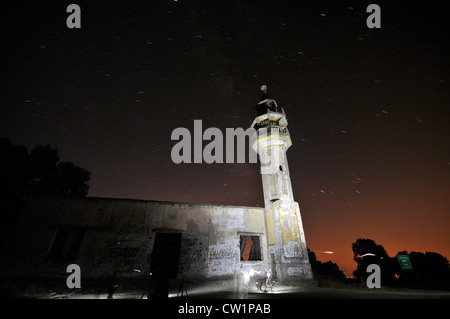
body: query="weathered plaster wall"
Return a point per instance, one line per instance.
(119, 236)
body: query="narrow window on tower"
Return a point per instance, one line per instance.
(250, 246)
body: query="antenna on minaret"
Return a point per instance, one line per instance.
(264, 88)
(266, 103)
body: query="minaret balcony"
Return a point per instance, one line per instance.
(269, 136)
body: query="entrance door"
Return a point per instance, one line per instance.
(166, 255)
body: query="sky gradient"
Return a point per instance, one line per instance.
(368, 109)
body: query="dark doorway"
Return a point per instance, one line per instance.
(166, 255)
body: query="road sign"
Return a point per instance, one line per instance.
(404, 262)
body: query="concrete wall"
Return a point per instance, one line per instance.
(119, 236)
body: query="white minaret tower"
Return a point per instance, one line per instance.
(288, 255)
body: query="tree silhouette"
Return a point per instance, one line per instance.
(325, 271)
(364, 246)
(430, 270)
(38, 173)
(366, 252)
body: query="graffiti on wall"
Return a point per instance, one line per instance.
(223, 259)
(193, 253)
(296, 271)
(126, 255)
(292, 249)
(290, 232)
(123, 252)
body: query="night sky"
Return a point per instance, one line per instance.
(368, 109)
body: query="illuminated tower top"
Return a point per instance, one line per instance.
(271, 141)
